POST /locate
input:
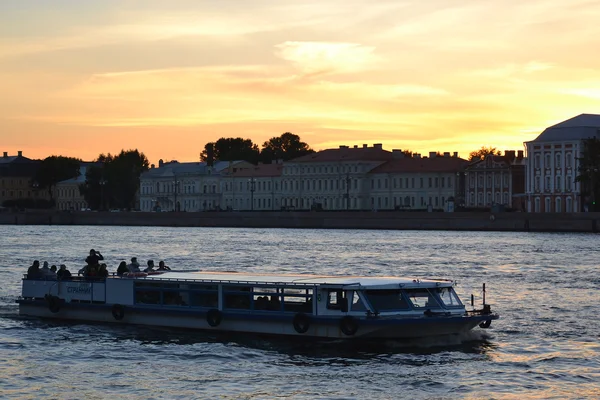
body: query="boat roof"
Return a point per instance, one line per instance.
(374, 282)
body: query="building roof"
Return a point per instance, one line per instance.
(83, 167)
(413, 164)
(345, 153)
(583, 126)
(260, 170)
(175, 168)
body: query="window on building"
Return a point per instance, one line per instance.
(429, 181)
(547, 160)
(558, 205)
(537, 205)
(568, 162)
(536, 163)
(557, 160)
(421, 182)
(569, 183)
(557, 185)
(547, 205)
(568, 205)
(548, 183)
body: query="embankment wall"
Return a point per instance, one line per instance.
(459, 221)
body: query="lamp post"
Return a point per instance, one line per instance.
(175, 189)
(102, 184)
(252, 183)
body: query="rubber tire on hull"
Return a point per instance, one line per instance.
(349, 325)
(301, 322)
(485, 324)
(214, 317)
(118, 312)
(53, 304)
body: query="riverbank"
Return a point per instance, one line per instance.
(459, 221)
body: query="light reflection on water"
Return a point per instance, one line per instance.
(544, 346)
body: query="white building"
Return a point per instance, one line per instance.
(332, 179)
(191, 186)
(416, 182)
(66, 193)
(255, 188)
(552, 163)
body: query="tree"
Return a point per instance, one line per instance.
(285, 147)
(483, 152)
(231, 149)
(589, 172)
(115, 183)
(55, 169)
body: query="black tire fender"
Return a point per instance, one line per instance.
(485, 324)
(214, 317)
(53, 304)
(301, 322)
(349, 325)
(118, 312)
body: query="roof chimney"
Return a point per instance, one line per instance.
(446, 154)
(416, 155)
(151, 166)
(19, 153)
(455, 154)
(520, 154)
(343, 146)
(5, 154)
(160, 163)
(378, 146)
(365, 146)
(397, 153)
(432, 154)
(356, 146)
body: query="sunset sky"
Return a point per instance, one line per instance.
(79, 78)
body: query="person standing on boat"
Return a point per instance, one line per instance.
(94, 258)
(134, 266)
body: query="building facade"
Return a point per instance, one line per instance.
(17, 179)
(552, 165)
(67, 195)
(497, 180)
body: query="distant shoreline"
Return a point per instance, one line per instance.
(394, 220)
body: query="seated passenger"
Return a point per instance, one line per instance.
(102, 271)
(150, 266)
(63, 272)
(162, 266)
(122, 268)
(46, 272)
(134, 266)
(33, 272)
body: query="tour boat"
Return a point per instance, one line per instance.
(316, 306)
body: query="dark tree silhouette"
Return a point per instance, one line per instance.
(285, 147)
(115, 183)
(55, 169)
(231, 149)
(483, 152)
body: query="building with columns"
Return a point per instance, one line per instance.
(496, 179)
(552, 165)
(257, 188)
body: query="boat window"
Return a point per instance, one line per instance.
(297, 300)
(237, 297)
(357, 303)
(386, 300)
(336, 300)
(147, 296)
(202, 296)
(449, 297)
(421, 298)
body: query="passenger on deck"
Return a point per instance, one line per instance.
(45, 272)
(150, 266)
(122, 268)
(33, 272)
(162, 266)
(90, 271)
(63, 272)
(134, 266)
(53, 268)
(94, 257)
(102, 271)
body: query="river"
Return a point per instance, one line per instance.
(545, 287)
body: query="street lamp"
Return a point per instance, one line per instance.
(252, 183)
(102, 184)
(175, 189)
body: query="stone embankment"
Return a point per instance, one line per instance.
(459, 221)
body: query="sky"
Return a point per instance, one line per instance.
(80, 78)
